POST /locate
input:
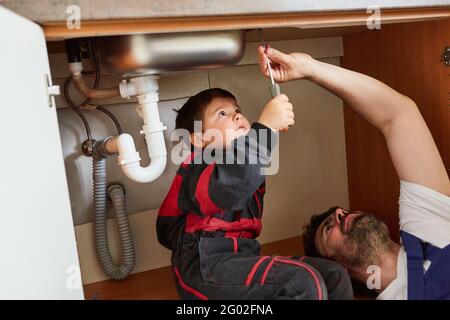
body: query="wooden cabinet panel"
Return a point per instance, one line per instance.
(97, 25)
(407, 58)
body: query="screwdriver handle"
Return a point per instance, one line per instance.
(274, 90)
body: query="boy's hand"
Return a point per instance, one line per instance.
(278, 114)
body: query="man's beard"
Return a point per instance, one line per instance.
(365, 242)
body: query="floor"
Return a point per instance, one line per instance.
(159, 284)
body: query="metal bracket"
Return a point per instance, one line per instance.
(445, 56)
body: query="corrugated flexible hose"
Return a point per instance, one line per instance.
(116, 193)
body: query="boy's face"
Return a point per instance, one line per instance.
(222, 115)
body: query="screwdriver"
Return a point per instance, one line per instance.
(274, 88)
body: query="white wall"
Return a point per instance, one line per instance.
(312, 175)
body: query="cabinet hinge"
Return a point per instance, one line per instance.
(52, 91)
(445, 56)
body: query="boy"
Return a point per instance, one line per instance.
(212, 214)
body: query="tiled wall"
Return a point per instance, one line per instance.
(312, 175)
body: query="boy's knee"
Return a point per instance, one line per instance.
(335, 276)
(338, 282)
(304, 285)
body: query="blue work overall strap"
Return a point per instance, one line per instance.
(437, 279)
(414, 253)
(431, 252)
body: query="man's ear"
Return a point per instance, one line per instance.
(197, 140)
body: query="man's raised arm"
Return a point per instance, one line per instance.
(411, 146)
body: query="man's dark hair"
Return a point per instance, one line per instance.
(194, 108)
(309, 232)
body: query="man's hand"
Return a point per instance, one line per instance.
(278, 114)
(285, 67)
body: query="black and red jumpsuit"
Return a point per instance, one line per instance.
(210, 219)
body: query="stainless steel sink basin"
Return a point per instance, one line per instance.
(141, 54)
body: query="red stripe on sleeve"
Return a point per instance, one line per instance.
(169, 207)
(207, 206)
(258, 203)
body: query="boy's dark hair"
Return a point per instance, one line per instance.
(195, 107)
(309, 232)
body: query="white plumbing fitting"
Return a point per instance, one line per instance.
(139, 86)
(146, 90)
(75, 68)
